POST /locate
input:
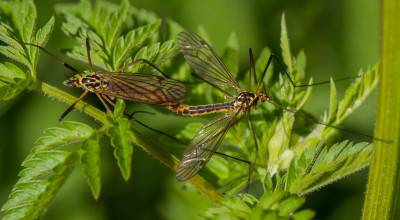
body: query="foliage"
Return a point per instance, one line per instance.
(51, 162)
(272, 205)
(289, 164)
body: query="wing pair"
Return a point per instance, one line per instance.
(203, 59)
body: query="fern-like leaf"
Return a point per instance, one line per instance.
(272, 205)
(122, 138)
(322, 166)
(110, 49)
(46, 170)
(91, 163)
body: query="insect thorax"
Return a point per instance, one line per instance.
(93, 82)
(245, 100)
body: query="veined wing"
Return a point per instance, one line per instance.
(203, 59)
(144, 88)
(203, 145)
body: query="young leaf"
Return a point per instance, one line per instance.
(121, 139)
(24, 21)
(287, 57)
(91, 163)
(30, 199)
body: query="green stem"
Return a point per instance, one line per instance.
(67, 98)
(383, 181)
(172, 162)
(168, 159)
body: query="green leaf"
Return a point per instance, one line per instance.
(332, 103)
(287, 57)
(45, 172)
(12, 81)
(35, 196)
(272, 205)
(24, 21)
(357, 92)
(326, 166)
(115, 25)
(134, 40)
(91, 163)
(110, 47)
(122, 141)
(43, 34)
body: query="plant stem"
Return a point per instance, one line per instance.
(67, 98)
(172, 162)
(383, 181)
(168, 159)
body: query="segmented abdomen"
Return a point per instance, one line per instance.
(202, 109)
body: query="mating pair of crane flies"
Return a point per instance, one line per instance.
(164, 91)
(136, 87)
(210, 69)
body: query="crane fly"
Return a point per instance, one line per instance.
(210, 69)
(136, 87)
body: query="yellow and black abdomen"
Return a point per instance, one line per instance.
(202, 109)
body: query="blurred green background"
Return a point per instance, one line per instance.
(338, 37)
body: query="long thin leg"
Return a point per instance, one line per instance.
(291, 81)
(6, 82)
(250, 63)
(59, 60)
(150, 64)
(331, 126)
(138, 61)
(209, 83)
(88, 54)
(130, 116)
(246, 189)
(104, 103)
(72, 106)
(254, 65)
(231, 157)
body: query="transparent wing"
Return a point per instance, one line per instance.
(203, 145)
(144, 88)
(203, 59)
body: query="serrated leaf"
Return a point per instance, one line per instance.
(72, 132)
(115, 25)
(24, 21)
(342, 158)
(43, 34)
(46, 170)
(357, 92)
(272, 205)
(35, 196)
(121, 139)
(12, 81)
(286, 54)
(91, 163)
(332, 103)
